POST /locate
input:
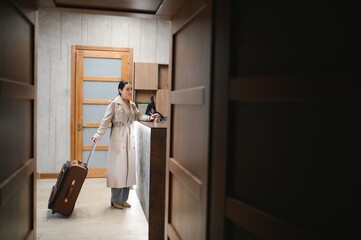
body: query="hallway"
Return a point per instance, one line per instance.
(93, 218)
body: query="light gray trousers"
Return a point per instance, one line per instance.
(120, 195)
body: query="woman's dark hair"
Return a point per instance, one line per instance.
(122, 84)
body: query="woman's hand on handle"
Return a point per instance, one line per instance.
(95, 140)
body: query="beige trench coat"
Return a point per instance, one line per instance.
(121, 171)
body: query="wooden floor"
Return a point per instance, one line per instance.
(93, 217)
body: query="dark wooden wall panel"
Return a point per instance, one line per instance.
(17, 134)
(292, 120)
(17, 43)
(17, 107)
(234, 232)
(186, 211)
(18, 212)
(290, 146)
(189, 122)
(277, 37)
(191, 71)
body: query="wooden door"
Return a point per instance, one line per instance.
(189, 98)
(97, 72)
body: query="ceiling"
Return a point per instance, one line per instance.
(156, 8)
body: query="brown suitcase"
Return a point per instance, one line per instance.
(68, 185)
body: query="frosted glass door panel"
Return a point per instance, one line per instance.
(100, 90)
(93, 113)
(98, 71)
(99, 159)
(88, 134)
(102, 67)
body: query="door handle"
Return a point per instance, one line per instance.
(79, 127)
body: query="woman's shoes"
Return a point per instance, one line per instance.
(125, 204)
(116, 205)
(120, 206)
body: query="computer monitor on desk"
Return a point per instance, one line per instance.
(151, 109)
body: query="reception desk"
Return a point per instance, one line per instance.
(151, 140)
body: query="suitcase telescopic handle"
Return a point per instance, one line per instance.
(90, 154)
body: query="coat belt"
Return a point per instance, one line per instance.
(121, 124)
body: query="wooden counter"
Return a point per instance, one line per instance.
(150, 141)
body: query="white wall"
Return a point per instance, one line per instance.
(57, 32)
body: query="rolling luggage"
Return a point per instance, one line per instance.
(68, 185)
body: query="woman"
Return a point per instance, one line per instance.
(121, 112)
